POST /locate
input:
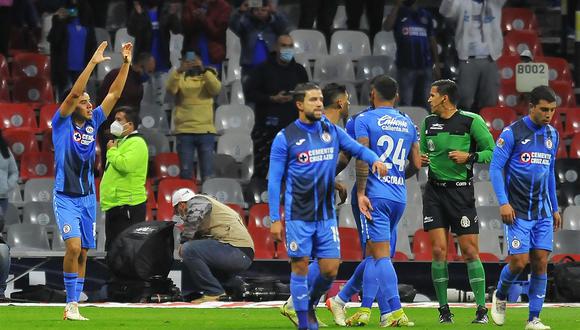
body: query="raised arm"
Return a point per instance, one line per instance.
(119, 83)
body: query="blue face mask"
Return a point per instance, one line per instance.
(286, 54)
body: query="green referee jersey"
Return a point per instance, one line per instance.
(464, 131)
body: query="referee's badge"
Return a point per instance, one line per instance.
(465, 223)
(549, 144)
(516, 243)
(326, 137)
(430, 145)
(293, 246)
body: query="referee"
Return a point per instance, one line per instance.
(451, 142)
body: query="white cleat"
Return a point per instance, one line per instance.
(337, 310)
(71, 312)
(536, 324)
(498, 308)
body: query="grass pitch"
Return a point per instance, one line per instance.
(45, 317)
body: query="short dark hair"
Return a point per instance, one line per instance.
(332, 92)
(449, 88)
(131, 115)
(385, 86)
(542, 93)
(143, 57)
(300, 90)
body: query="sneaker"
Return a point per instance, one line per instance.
(481, 315)
(498, 308)
(360, 318)
(391, 321)
(536, 324)
(71, 312)
(290, 313)
(337, 310)
(445, 315)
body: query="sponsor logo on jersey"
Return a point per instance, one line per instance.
(315, 155)
(388, 123)
(539, 158)
(525, 141)
(436, 126)
(299, 143)
(84, 139)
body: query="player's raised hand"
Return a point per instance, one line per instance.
(342, 193)
(127, 52)
(508, 214)
(459, 157)
(98, 56)
(424, 160)
(380, 168)
(276, 231)
(557, 221)
(365, 207)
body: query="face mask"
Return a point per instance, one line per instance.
(286, 54)
(117, 128)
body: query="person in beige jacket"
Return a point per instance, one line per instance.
(194, 88)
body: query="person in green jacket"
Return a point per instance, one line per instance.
(451, 142)
(123, 195)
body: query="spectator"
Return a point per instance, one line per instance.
(215, 244)
(204, 27)
(195, 88)
(123, 195)
(150, 23)
(479, 43)
(375, 9)
(5, 24)
(322, 11)
(273, 101)
(258, 29)
(416, 51)
(72, 43)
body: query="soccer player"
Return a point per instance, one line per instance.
(74, 127)
(526, 153)
(305, 153)
(451, 142)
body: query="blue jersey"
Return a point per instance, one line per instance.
(391, 134)
(74, 153)
(349, 127)
(306, 155)
(526, 153)
(412, 31)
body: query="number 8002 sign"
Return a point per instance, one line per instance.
(531, 75)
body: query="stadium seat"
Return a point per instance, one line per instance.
(15, 115)
(509, 97)
(234, 117)
(237, 93)
(116, 15)
(515, 42)
(32, 90)
(103, 35)
(58, 243)
(4, 91)
(151, 201)
(309, 43)
(567, 171)
(47, 111)
(571, 218)
(236, 144)
(497, 118)
(259, 216)
(166, 165)
(156, 143)
(414, 194)
(233, 71)
(47, 141)
(38, 190)
(574, 146)
(372, 66)
(515, 19)
(346, 218)
(507, 67)
(489, 219)
(412, 220)
(568, 195)
(26, 237)
(263, 243)
(572, 122)
(165, 190)
(14, 197)
(564, 94)
(417, 114)
(566, 242)
(422, 247)
(558, 68)
(480, 172)
(30, 65)
(338, 68)
(233, 46)
(562, 153)
(11, 216)
(558, 121)
(225, 166)
(484, 194)
(384, 44)
(153, 118)
(39, 213)
(351, 43)
(403, 245)
(350, 248)
(20, 140)
(256, 191)
(105, 67)
(225, 190)
(36, 165)
(239, 210)
(121, 37)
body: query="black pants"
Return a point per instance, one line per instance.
(120, 218)
(322, 11)
(375, 8)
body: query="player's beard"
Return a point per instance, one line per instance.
(311, 117)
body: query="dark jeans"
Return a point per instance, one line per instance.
(187, 144)
(414, 83)
(120, 218)
(207, 260)
(322, 11)
(375, 9)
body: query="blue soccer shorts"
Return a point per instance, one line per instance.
(525, 235)
(383, 226)
(76, 217)
(318, 239)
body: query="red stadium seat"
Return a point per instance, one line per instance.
(507, 67)
(30, 65)
(574, 146)
(400, 256)
(572, 122)
(47, 141)
(33, 90)
(561, 258)
(350, 248)
(4, 73)
(263, 243)
(514, 19)
(497, 118)
(47, 111)
(165, 191)
(562, 153)
(15, 115)
(20, 140)
(557, 121)
(509, 97)
(422, 247)
(565, 96)
(151, 201)
(488, 257)
(558, 68)
(166, 165)
(259, 215)
(516, 42)
(4, 91)
(36, 165)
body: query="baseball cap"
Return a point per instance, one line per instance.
(182, 195)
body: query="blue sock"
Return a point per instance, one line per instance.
(299, 292)
(370, 283)
(506, 278)
(320, 286)
(70, 285)
(536, 294)
(354, 282)
(79, 287)
(383, 302)
(313, 273)
(388, 282)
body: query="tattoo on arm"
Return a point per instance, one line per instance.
(362, 170)
(343, 159)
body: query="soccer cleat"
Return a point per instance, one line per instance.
(290, 313)
(71, 312)
(498, 308)
(445, 315)
(360, 318)
(536, 324)
(337, 310)
(481, 315)
(389, 320)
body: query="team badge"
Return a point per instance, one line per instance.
(465, 223)
(90, 129)
(500, 142)
(549, 144)
(303, 157)
(430, 145)
(66, 229)
(516, 243)
(293, 246)
(525, 157)
(326, 137)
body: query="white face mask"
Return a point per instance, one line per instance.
(117, 128)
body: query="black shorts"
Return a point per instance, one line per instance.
(450, 206)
